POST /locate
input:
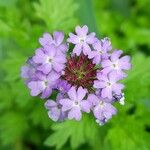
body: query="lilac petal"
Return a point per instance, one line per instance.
(106, 44)
(54, 113)
(86, 49)
(58, 67)
(24, 71)
(98, 113)
(81, 31)
(106, 70)
(46, 93)
(50, 103)
(113, 77)
(106, 63)
(46, 68)
(115, 55)
(36, 87)
(107, 115)
(40, 57)
(97, 59)
(125, 59)
(117, 88)
(92, 54)
(101, 76)
(99, 84)
(111, 108)
(63, 48)
(97, 45)
(46, 39)
(53, 76)
(124, 63)
(77, 49)
(81, 93)
(75, 113)
(51, 51)
(85, 106)
(91, 38)
(67, 104)
(106, 93)
(60, 59)
(58, 37)
(72, 93)
(93, 99)
(73, 38)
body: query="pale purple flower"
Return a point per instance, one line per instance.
(75, 103)
(56, 39)
(103, 111)
(82, 40)
(49, 59)
(54, 109)
(100, 51)
(28, 72)
(116, 63)
(63, 86)
(108, 85)
(44, 84)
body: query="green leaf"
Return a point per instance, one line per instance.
(129, 136)
(64, 19)
(78, 132)
(138, 83)
(86, 14)
(13, 125)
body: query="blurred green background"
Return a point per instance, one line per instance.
(24, 123)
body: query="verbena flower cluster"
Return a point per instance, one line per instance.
(84, 73)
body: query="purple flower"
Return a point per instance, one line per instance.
(57, 40)
(43, 84)
(54, 109)
(100, 52)
(116, 64)
(49, 59)
(29, 71)
(103, 111)
(74, 104)
(63, 86)
(82, 40)
(108, 84)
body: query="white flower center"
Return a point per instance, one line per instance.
(76, 103)
(115, 65)
(49, 59)
(82, 39)
(109, 84)
(100, 51)
(45, 82)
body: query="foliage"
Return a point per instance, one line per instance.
(24, 123)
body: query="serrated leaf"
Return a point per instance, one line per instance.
(130, 136)
(65, 14)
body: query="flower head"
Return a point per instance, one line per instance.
(83, 72)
